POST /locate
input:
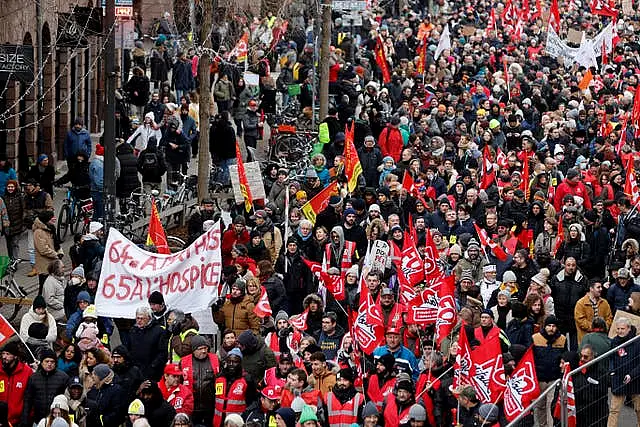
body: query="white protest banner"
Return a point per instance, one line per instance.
(189, 280)
(586, 56)
(444, 43)
(555, 46)
(254, 177)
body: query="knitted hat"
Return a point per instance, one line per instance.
(102, 371)
(38, 330)
(241, 284)
(417, 413)
(347, 374)
(488, 412)
(60, 402)
(39, 302)
(235, 352)
(90, 312)
(12, 347)
(387, 360)
(473, 244)
(509, 276)
(83, 296)
(370, 410)
(156, 298)
(623, 273)
(59, 422)
(404, 383)
(542, 277)
(489, 268)
(551, 320)
(307, 415)
(353, 270)
(455, 249)
(136, 407)
(487, 312)
(78, 271)
(282, 315)
(94, 226)
(198, 341)
(349, 211)
(374, 208)
(466, 275)
(288, 416)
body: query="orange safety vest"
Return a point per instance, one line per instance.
(391, 416)
(343, 415)
(187, 368)
(229, 399)
(377, 393)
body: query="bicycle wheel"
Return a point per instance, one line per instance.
(9, 311)
(76, 219)
(62, 226)
(176, 244)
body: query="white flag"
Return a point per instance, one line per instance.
(586, 56)
(444, 43)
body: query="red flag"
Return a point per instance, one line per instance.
(352, 166)
(510, 13)
(571, 399)
(431, 268)
(462, 365)
(501, 159)
(412, 230)
(623, 138)
(315, 267)
(423, 309)
(6, 331)
(299, 322)
(486, 241)
(409, 266)
(241, 48)
(381, 60)
(263, 307)
(524, 185)
(488, 179)
(536, 13)
(630, 185)
(407, 182)
(635, 112)
(244, 183)
(559, 237)
(487, 371)
(554, 16)
(599, 7)
(447, 313)
(492, 25)
(156, 236)
(422, 57)
(367, 335)
(605, 59)
(334, 284)
(374, 311)
(319, 202)
(522, 387)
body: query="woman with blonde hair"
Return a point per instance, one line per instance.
(59, 409)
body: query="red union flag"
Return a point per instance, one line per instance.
(571, 398)
(522, 387)
(423, 309)
(6, 330)
(486, 241)
(447, 313)
(315, 267)
(431, 255)
(244, 183)
(299, 322)
(410, 266)
(318, 203)
(487, 371)
(366, 334)
(381, 60)
(263, 307)
(156, 235)
(554, 17)
(334, 284)
(462, 365)
(374, 311)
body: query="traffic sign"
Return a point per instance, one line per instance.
(124, 11)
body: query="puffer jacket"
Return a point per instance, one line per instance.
(566, 292)
(276, 293)
(148, 349)
(53, 293)
(110, 401)
(42, 387)
(128, 181)
(44, 243)
(547, 351)
(625, 362)
(15, 210)
(618, 297)
(238, 316)
(256, 356)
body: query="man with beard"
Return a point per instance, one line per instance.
(344, 402)
(405, 360)
(233, 391)
(382, 381)
(203, 213)
(392, 311)
(331, 335)
(373, 283)
(471, 262)
(270, 234)
(262, 412)
(354, 232)
(81, 409)
(340, 253)
(177, 149)
(567, 287)
(277, 376)
(591, 385)
(157, 411)
(14, 375)
(199, 371)
(396, 406)
(236, 312)
(297, 385)
(489, 330)
(127, 375)
(370, 157)
(574, 186)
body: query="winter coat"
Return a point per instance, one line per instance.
(584, 315)
(138, 89)
(77, 141)
(53, 293)
(151, 154)
(180, 154)
(44, 177)
(148, 348)
(566, 292)
(34, 204)
(625, 362)
(42, 387)
(110, 402)
(223, 90)
(96, 173)
(15, 205)
(369, 160)
(182, 77)
(14, 389)
(257, 358)
(298, 279)
(238, 316)
(618, 297)
(43, 241)
(127, 376)
(222, 141)
(157, 108)
(545, 242)
(158, 64)
(142, 135)
(182, 346)
(547, 351)
(6, 175)
(276, 293)
(391, 143)
(189, 130)
(128, 181)
(91, 251)
(576, 249)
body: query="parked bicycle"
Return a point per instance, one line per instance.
(72, 213)
(183, 190)
(9, 288)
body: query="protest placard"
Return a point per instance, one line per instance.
(254, 176)
(188, 280)
(635, 321)
(574, 36)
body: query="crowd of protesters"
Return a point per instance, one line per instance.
(493, 134)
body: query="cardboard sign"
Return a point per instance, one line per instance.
(574, 36)
(468, 30)
(635, 321)
(251, 79)
(379, 258)
(252, 170)
(189, 280)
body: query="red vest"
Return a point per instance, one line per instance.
(347, 256)
(493, 332)
(187, 368)
(343, 415)
(391, 416)
(377, 393)
(271, 379)
(230, 399)
(311, 398)
(12, 389)
(180, 397)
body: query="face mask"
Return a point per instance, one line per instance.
(75, 280)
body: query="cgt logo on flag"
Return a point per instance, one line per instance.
(424, 307)
(365, 333)
(521, 387)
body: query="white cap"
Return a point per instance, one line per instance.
(374, 207)
(95, 226)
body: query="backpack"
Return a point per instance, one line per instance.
(149, 163)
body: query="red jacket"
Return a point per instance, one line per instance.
(229, 239)
(311, 397)
(12, 390)
(179, 397)
(575, 189)
(391, 143)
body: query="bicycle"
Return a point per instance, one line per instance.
(72, 213)
(185, 191)
(9, 288)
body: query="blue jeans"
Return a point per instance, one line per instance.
(224, 175)
(98, 206)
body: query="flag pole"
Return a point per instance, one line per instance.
(494, 403)
(19, 337)
(428, 387)
(286, 225)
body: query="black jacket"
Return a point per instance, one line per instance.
(146, 158)
(111, 403)
(42, 387)
(127, 376)
(128, 180)
(178, 155)
(566, 291)
(148, 348)
(222, 141)
(623, 363)
(158, 411)
(44, 177)
(276, 293)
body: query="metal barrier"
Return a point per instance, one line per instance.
(552, 388)
(603, 376)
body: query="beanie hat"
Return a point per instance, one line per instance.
(551, 320)
(198, 341)
(542, 276)
(488, 312)
(519, 310)
(353, 270)
(136, 407)
(39, 302)
(509, 276)
(374, 208)
(102, 371)
(307, 415)
(45, 216)
(12, 347)
(95, 226)
(347, 374)
(455, 249)
(47, 353)
(405, 384)
(241, 284)
(387, 360)
(60, 402)
(282, 315)
(572, 173)
(90, 312)
(38, 330)
(466, 275)
(473, 244)
(417, 413)
(288, 416)
(370, 410)
(78, 271)
(488, 412)
(235, 352)
(83, 296)
(156, 298)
